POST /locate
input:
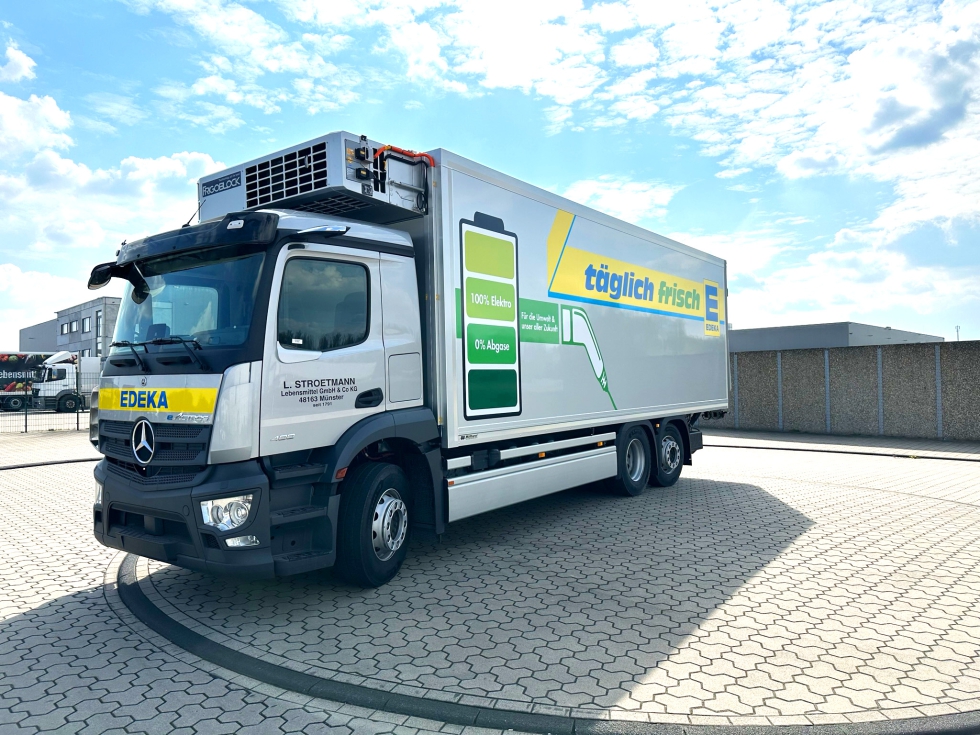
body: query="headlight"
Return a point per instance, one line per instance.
(98, 493)
(226, 513)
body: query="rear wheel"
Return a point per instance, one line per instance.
(68, 404)
(634, 462)
(670, 454)
(373, 524)
(14, 404)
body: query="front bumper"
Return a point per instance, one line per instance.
(166, 525)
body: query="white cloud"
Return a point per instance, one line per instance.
(59, 206)
(731, 173)
(118, 108)
(749, 253)
(28, 297)
(19, 66)
(632, 201)
(639, 50)
(851, 285)
(32, 124)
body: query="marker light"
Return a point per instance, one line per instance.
(226, 513)
(98, 493)
(241, 541)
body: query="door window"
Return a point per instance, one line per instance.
(323, 305)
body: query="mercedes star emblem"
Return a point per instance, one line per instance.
(143, 442)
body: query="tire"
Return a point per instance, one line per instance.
(68, 404)
(14, 404)
(670, 456)
(633, 461)
(374, 515)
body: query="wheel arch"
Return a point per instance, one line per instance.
(408, 438)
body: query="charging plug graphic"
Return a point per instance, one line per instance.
(577, 330)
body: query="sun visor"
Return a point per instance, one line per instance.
(244, 228)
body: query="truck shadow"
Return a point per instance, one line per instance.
(569, 599)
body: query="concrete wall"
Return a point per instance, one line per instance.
(960, 386)
(885, 391)
(41, 337)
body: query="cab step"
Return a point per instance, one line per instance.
(291, 472)
(295, 515)
(303, 561)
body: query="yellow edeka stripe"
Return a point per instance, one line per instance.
(557, 238)
(158, 400)
(606, 280)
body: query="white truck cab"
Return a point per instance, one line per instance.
(59, 386)
(359, 342)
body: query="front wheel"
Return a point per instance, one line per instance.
(670, 454)
(68, 404)
(373, 524)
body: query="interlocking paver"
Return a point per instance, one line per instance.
(69, 664)
(786, 585)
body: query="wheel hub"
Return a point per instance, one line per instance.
(390, 525)
(635, 460)
(671, 453)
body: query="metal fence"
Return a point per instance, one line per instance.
(32, 406)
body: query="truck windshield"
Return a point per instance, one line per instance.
(192, 296)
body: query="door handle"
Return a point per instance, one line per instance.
(369, 398)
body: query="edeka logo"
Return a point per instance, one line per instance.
(187, 400)
(580, 275)
(712, 306)
(143, 399)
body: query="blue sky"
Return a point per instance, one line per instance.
(829, 150)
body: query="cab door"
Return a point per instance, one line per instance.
(324, 367)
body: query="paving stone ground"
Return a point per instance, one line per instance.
(764, 584)
(70, 664)
(765, 587)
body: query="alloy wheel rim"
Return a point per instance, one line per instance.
(671, 453)
(390, 525)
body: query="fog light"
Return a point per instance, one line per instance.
(240, 541)
(226, 513)
(98, 493)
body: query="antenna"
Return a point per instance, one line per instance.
(196, 212)
(957, 332)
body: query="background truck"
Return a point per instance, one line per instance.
(64, 382)
(46, 381)
(359, 341)
(18, 372)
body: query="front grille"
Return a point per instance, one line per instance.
(186, 432)
(119, 428)
(174, 442)
(287, 175)
(177, 431)
(335, 204)
(152, 476)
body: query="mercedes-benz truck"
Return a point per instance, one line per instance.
(358, 342)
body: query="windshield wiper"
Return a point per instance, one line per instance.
(132, 346)
(186, 343)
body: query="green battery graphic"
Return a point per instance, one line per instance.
(491, 334)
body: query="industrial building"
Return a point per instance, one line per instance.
(85, 329)
(821, 336)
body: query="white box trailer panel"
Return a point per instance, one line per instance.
(565, 317)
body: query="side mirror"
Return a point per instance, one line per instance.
(101, 275)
